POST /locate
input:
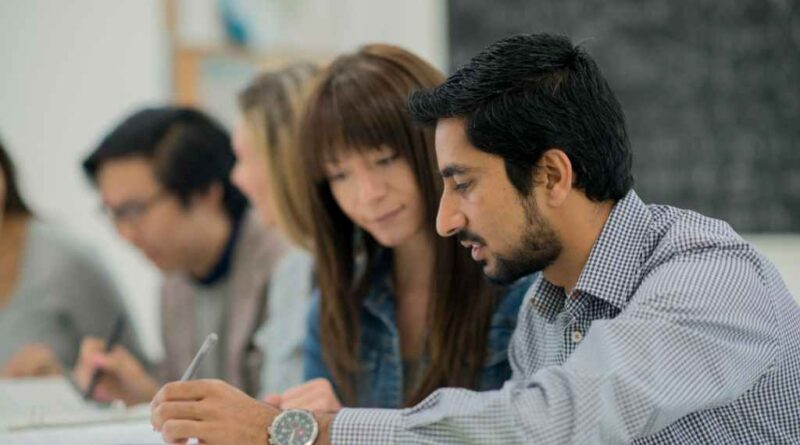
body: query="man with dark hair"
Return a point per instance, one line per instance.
(164, 178)
(650, 324)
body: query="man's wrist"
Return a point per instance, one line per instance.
(324, 421)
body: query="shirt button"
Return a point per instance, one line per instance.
(577, 336)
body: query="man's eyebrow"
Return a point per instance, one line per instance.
(454, 169)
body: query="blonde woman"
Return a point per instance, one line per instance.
(266, 171)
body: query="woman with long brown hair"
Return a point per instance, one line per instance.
(400, 311)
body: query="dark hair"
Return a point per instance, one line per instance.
(360, 103)
(529, 93)
(14, 203)
(189, 150)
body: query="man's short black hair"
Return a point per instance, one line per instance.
(529, 93)
(189, 151)
(14, 202)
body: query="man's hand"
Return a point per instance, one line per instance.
(315, 395)
(216, 413)
(212, 411)
(123, 376)
(32, 360)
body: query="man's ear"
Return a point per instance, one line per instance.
(209, 198)
(553, 175)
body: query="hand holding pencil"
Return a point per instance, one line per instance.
(121, 376)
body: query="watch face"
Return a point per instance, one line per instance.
(294, 427)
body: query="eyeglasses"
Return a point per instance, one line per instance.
(132, 212)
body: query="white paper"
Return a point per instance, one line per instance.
(140, 433)
(29, 404)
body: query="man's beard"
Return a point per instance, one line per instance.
(539, 247)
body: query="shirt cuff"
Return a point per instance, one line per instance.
(372, 426)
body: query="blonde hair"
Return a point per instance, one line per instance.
(272, 105)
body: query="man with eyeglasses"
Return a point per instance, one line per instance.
(164, 178)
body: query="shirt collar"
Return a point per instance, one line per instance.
(614, 266)
(223, 265)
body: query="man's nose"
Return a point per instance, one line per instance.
(449, 219)
(128, 232)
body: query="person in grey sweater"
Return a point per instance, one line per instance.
(53, 290)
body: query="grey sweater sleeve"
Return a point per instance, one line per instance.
(91, 302)
(66, 294)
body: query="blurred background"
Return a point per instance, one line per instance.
(711, 91)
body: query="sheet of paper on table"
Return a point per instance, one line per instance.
(51, 411)
(126, 433)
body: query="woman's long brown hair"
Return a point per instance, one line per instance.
(360, 103)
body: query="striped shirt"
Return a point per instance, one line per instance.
(677, 331)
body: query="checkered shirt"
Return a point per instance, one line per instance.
(677, 331)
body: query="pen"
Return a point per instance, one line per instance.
(211, 340)
(113, 339)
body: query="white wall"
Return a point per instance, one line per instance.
(69, 71)
(325, 26)
(784, 251)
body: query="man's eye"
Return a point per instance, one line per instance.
(461, 186)
(125, 212)
(133, 209)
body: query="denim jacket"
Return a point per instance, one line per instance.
(380, 384)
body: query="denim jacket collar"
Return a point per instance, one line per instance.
(380, 300)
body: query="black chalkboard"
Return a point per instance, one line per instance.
(710, 89)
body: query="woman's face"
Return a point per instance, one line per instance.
(378, 191)
(250, 172)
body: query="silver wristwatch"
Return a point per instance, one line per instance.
(294, 427)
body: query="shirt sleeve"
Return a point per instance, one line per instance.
(91, 302)
(282, 335)
(698, 333)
